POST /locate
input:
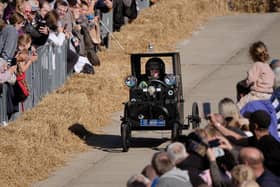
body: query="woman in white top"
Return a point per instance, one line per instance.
(57, 37)
(56, 34)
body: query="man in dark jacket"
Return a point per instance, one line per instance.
(254, 158)
(262, 139)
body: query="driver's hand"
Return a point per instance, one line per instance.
(143, 84)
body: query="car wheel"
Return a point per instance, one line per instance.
(195, 116)
(176, 131)
(125, 135)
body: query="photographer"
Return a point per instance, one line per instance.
(261, 139)
(221, 162)
(36, 24)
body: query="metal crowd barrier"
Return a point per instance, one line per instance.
(106, 24)
(3, 104)
(106, 27)
(43, 76)
(141, 4)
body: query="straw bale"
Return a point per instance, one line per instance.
(39, 141)
(253, 6)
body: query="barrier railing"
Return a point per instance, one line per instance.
(143, 4)
(3, 105)
(43, 76)
(50, 70)
(106, 24)
(106, 27)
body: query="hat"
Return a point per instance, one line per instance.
(261, 118)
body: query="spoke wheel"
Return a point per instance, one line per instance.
(195, 116)
(125, 135)
(176, 131)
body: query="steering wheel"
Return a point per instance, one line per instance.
(158, 82)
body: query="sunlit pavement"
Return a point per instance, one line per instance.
(213, 60)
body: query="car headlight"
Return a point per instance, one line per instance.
(170, 80)
(131, 81)
(151, 90)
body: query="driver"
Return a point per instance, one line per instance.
(155, 70)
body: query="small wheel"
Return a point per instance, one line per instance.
(125, 135)
(176, 131)
(195, 116)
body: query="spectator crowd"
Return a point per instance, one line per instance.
(238, 147)
(26, 25)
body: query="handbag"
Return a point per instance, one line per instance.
(12, 79)
(21, 88)
(95, 33)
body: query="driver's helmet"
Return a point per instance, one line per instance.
(155, 64)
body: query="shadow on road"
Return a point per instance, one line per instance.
(110, 142)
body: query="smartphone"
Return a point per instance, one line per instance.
(12, 62)
(206, 110)
(219, 152)
(214, 143)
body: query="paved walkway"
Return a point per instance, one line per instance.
(213, 60)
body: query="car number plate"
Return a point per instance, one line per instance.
(152, 122)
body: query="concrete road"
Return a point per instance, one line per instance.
(213, 60)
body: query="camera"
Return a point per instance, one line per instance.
(214, 143)
(41, 23)
(207, 110)
(12, 62)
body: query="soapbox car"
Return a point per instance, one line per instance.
(155, 97)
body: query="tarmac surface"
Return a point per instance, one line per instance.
(213, 60)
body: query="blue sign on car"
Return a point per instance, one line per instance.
(152, 122)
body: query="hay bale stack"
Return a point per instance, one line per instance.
(36, 143)
(255, 6)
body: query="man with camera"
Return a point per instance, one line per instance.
(261, 139)
(36, 24)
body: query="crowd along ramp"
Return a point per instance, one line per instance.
(217, 56)
(213, 60)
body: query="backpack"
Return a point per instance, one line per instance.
(131, 11)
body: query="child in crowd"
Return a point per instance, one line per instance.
(26, 54)
(260, 77)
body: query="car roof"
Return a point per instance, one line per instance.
(135, 59)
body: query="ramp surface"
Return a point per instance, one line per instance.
(213, 60)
